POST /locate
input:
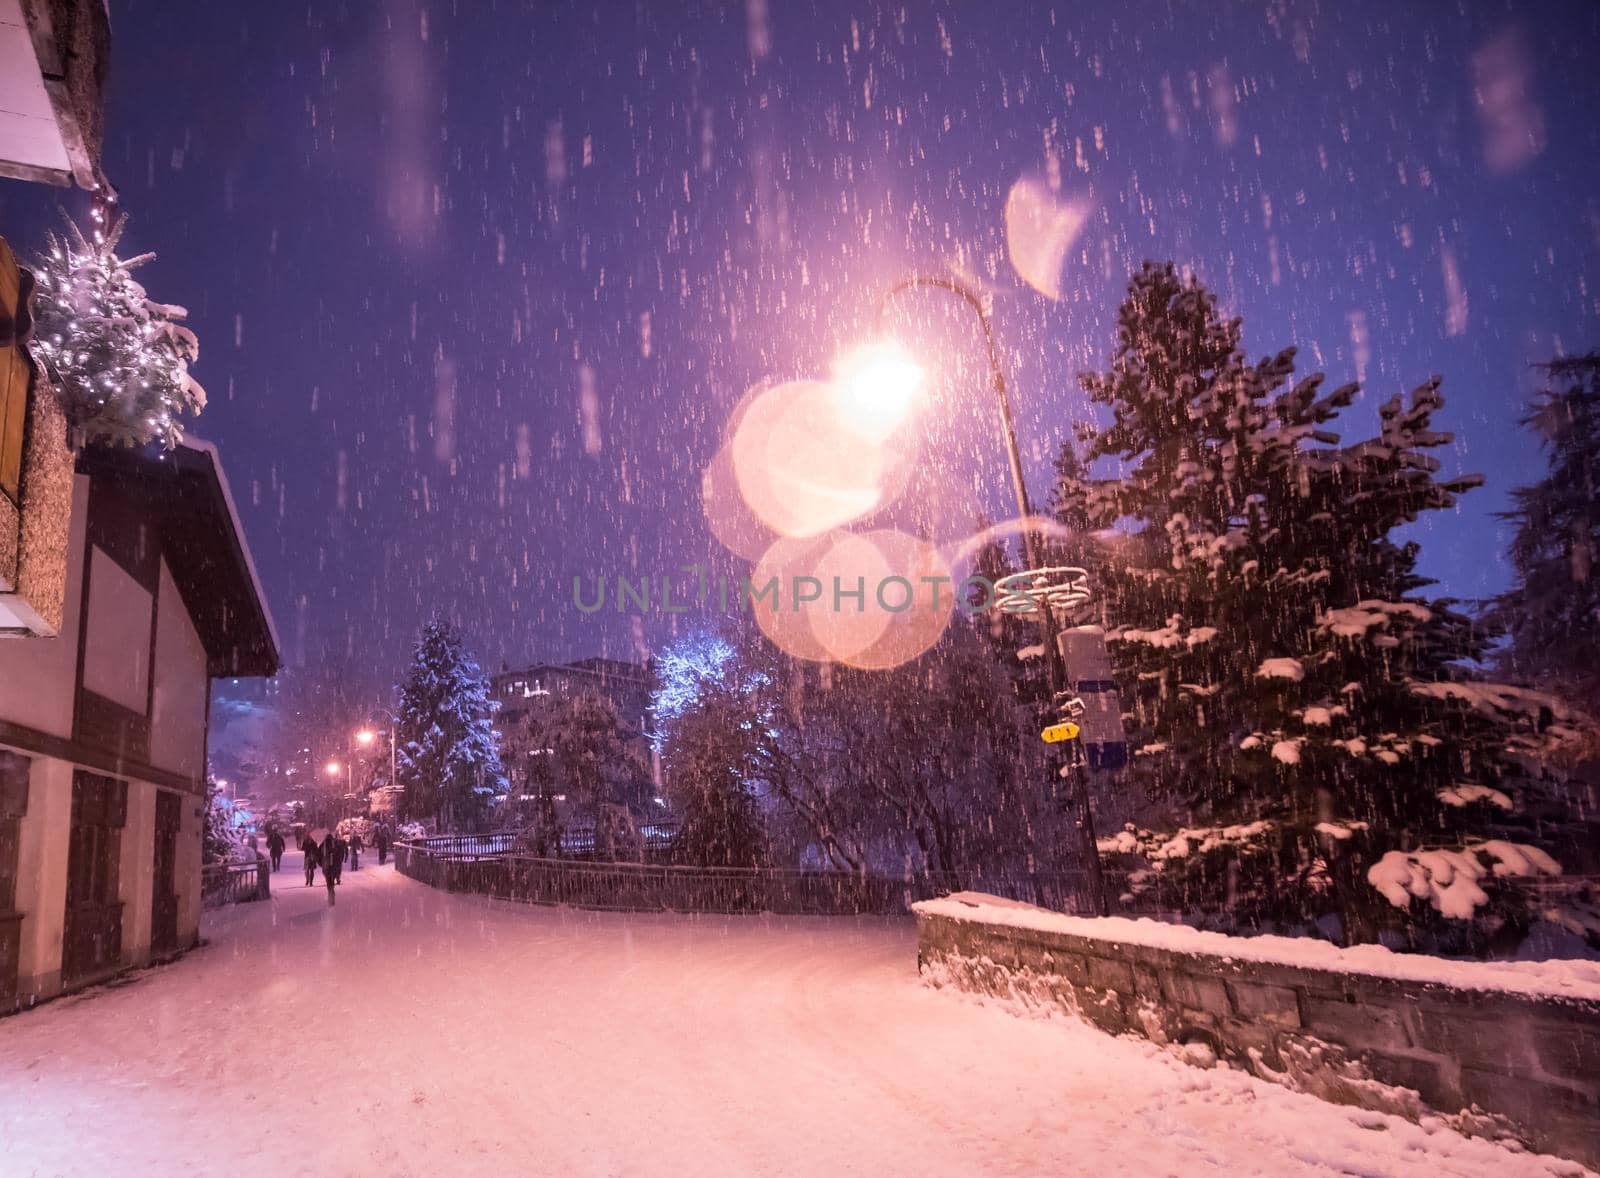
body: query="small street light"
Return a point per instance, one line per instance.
(881, 383)
(366, 736)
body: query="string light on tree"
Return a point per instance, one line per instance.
(119, 361)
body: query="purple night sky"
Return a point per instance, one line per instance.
(412, 235)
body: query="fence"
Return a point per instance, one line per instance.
(577, 842)
(235, 883)
(467, 864)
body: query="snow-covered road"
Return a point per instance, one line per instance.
(411, 1032)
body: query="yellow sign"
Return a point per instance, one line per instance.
(1059, 732)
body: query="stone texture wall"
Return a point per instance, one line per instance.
(1492, 1062)
(35, 529)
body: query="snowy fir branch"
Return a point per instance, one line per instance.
(118, 361)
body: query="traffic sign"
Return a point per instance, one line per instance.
(1059, 732)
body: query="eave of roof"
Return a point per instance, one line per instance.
(206, 550)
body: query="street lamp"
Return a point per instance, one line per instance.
(889, 376)
(366, 736)
(877, 386)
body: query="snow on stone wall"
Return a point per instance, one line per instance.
(1498, 1050)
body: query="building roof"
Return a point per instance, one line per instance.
(599, 667)
(186, 491)
(53, 59)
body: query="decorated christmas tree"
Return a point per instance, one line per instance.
(118, 361)
(448, 759)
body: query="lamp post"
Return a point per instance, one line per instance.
(332, 770)
(366, 736)
(1069, 764)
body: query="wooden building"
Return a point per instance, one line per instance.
(103, 725)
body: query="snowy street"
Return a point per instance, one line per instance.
(411, 1032)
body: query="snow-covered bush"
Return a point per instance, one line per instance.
(222, 840)
(1452, 882)
(1474, 898)
(348, 828)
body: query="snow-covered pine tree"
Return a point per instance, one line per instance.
(448, 758)
(1286, 676)
(1552, 613)
(118, 361)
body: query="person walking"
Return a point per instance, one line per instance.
(332, 861)
(275, 848)
(334, 849)
(381, 841)
(313, 855)
(355, 850)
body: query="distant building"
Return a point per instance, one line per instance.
(626, 685)
(103, 726)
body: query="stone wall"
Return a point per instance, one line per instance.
(35, 524)
(1493, 1061)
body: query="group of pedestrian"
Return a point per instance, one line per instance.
(331, 854)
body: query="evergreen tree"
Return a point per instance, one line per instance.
(1293, 691)
(448, 758)
(1552, 612)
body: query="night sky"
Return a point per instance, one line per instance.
(477, 284)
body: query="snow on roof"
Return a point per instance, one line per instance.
(1575, 980)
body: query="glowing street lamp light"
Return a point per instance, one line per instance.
(331, 768)
(877, 386)
(365, 737)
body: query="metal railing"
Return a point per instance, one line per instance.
(654, 887)
(576, 842)
(235, 883)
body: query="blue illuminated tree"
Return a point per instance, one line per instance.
(716, 735)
